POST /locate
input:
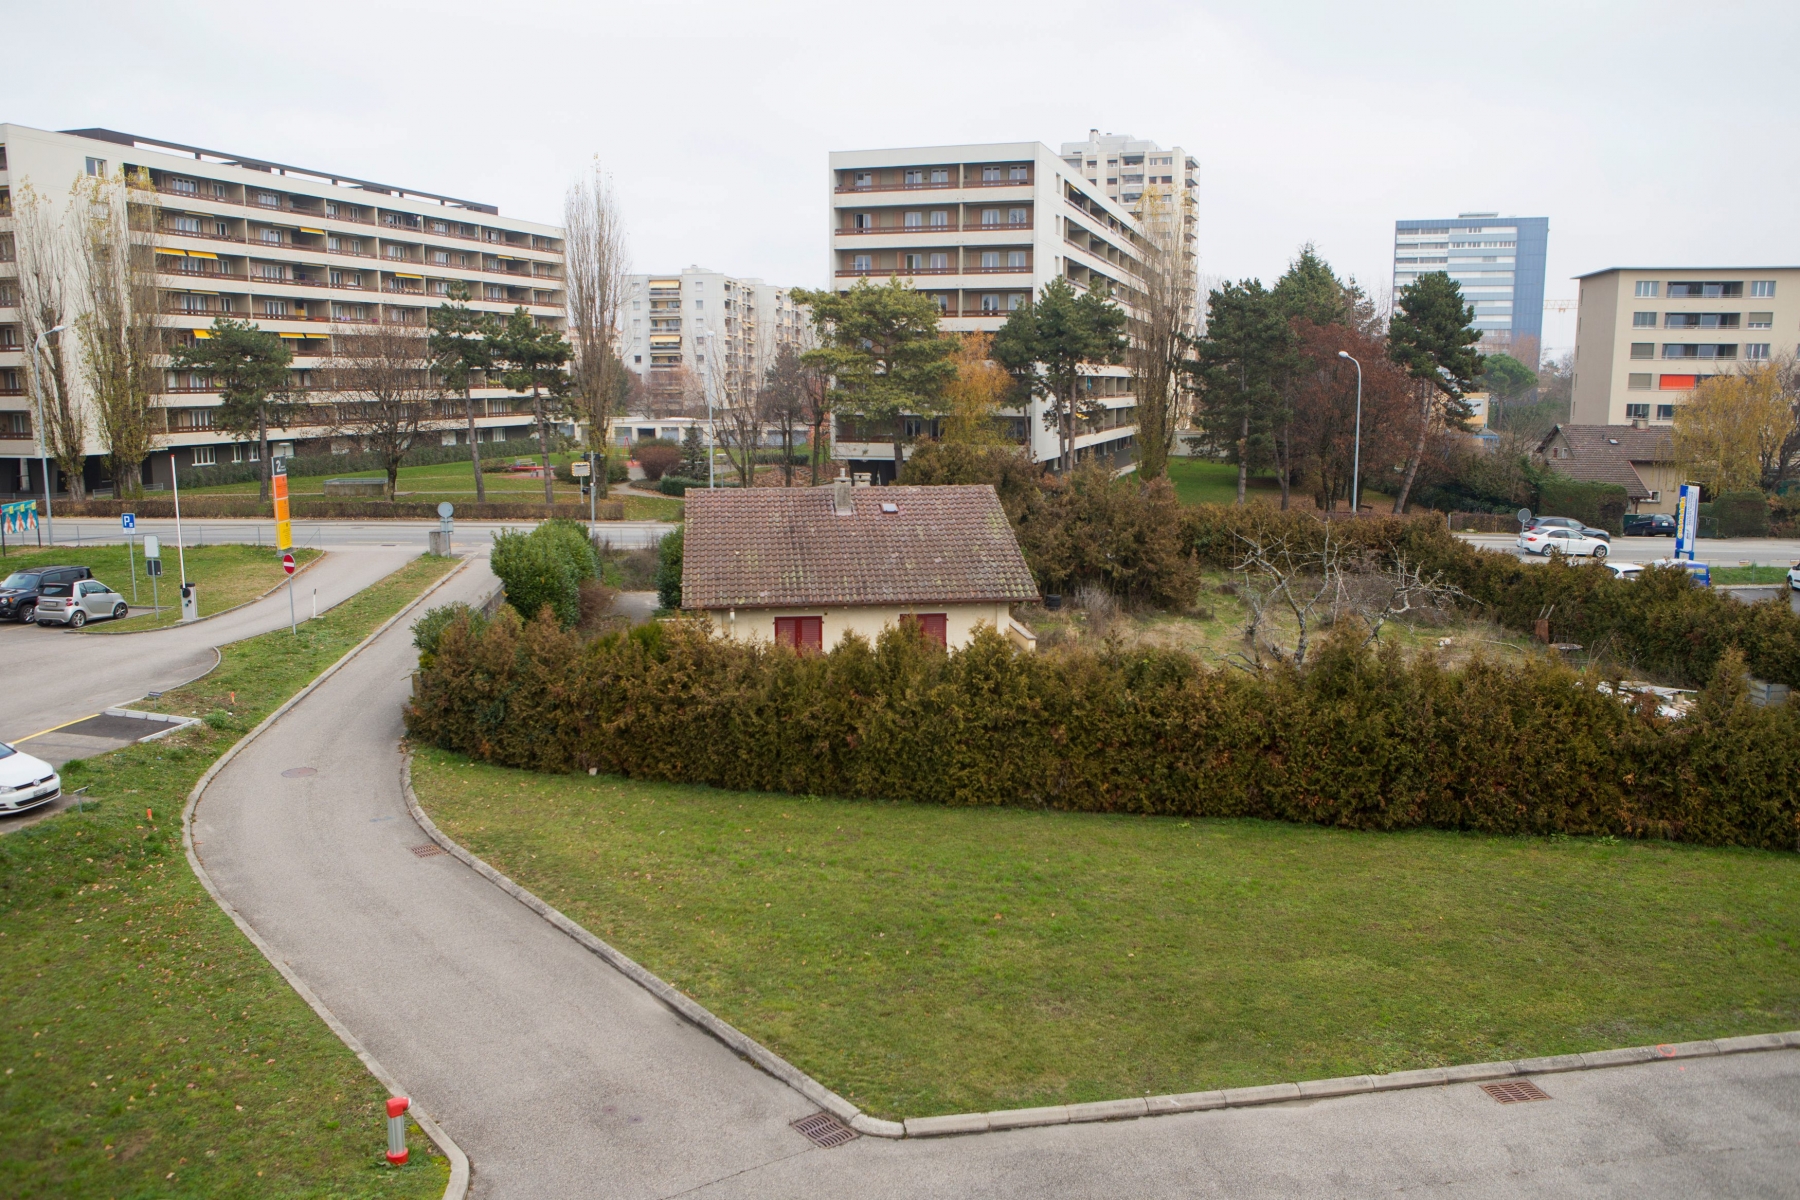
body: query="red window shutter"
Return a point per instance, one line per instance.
(787, 631)
(811, 633)
(936, 626)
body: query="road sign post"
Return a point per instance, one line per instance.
(128, 522)
(438, 542)
(287, 564)
(153, 567)
(190, 603)
(284, 531)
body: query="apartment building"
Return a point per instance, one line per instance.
(700, 324)
(1142, 175)
(980, 229)
(307, 254)
(1646, 336)
(1499, 264)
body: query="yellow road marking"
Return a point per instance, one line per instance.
(40, 733)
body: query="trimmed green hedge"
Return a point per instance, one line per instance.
(1601, 505)
(1739, 514)
(1362, 741)
(545, 568)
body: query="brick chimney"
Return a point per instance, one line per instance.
(841, 503)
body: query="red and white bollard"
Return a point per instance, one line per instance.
(396, 1151)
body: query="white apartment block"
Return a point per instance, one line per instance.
(304, 253)
(725, 331)
(1646, 336)
(1130, 169)
(980, 229)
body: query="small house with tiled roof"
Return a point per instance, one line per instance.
(1639, 459)
(806, 566)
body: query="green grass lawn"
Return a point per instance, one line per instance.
(1207, 481)
(148, 1048)
(454, 482)
(924, 960)
(227, 576)
(1751, 574)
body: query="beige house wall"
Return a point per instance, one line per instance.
(1665, 479)
(758, 624)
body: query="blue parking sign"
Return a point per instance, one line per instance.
(128, 520)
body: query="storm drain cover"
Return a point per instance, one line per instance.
(428, 849)
(825, 1130)
(1513, 1093)
(299, 772)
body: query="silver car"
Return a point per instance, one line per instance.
(75, 604)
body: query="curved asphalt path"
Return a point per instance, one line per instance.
(560, 1078)
(56, 675)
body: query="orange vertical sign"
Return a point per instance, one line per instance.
(284, 535)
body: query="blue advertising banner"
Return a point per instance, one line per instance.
(1687, 521)
(19, 516)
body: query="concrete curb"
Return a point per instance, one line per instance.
(684, 1006)
(298, 572)
(1068, 1114)
(458, 1187)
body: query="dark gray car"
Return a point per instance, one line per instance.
(19, 591)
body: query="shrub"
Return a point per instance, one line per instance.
(668, 569)
(1363, 740)
(430, 627)
(545, 567)
(1017, 479)
(1118, 534)
(656, 456)
(1601, 505)
(678, 485)
(1739, 514)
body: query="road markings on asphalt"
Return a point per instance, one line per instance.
(40, 733)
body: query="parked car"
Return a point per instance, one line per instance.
(1794, 577)
(75, 604)
(25, 782)
(19, 591)
(1699, 572)
(1649, 525)
(1545, 539)
(1626, 571)
(1567, 523)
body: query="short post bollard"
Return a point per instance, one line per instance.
(396, 1110)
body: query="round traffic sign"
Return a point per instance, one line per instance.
(445, 508)
(287, 563)
(1524, 515)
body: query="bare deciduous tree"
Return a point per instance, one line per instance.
(120, 329)
(1159, 329)
(784, 397)
(740, 430)
(382, 392)
(44, 254)
(594, 275)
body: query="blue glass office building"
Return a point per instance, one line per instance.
(1499, 264)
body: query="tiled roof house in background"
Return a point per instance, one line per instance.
(1642, 461)
(806, 566)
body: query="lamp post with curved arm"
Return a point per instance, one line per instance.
(1356, 454)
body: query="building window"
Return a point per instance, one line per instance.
(274, 308)
(222, 229)
(1638, 380)
(1013, 300)
(271, 236)
(1018, 216)
(862, 221)
(940, 262)
(1643, 320)
(915, 262)
(1761, 320)
(1015, 258)
(1758, 351)
(940, 175)
(183, 187)
(990, 304)
(935, 626)
(915, 178)
(1664, 412)
(990, 216)
(1677, 383)
(940, 219)
(186, 224)
(268, 199)
(862, 262)
(1643, 349)
(1646, 287)
(1017, 174)
(96, 167)
(1699, 289)
(863, 179)
(1762, 287)
(800, 633)
(1637, 412)
(914, 220)
(204, 456)
(943, 302)
(990, 259)
(990, 174)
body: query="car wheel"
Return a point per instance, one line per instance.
(27, 614)
(78, 618)
(1600, 552)
(119, 611)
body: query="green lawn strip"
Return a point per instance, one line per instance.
(450, 479)
(1751, 574)
(1208, 481)
(926, 960)
(148, 1048)
(227, 575)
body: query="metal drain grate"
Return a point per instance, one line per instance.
(825, 1130)
(299, 772)
(1513, 1093)
(428, 849)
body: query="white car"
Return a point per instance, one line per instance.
(1626, 571)
(1794, 577)
(74, 604)
(25, 782)
(1545, 538)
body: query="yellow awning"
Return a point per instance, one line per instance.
(199, 254)
(404, 275)
(665, 283)
(320, 232)
(201, 332)
(166, 250)
(299, 335)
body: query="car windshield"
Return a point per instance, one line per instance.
(19, 579)
(6, 751)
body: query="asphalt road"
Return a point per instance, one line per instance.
(326, 535)
(1725, 552)
(561, 1078)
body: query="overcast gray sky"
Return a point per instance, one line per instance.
(1648, 133)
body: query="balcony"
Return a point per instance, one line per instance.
(1020, 270)
(981, 183)
(951, 227)
(896, 187)
(880, 272)
(202, 234)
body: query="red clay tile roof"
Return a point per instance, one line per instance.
(782, 547)
(1605, 454)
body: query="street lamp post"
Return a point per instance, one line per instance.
(1356, 454)
(43, 440)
